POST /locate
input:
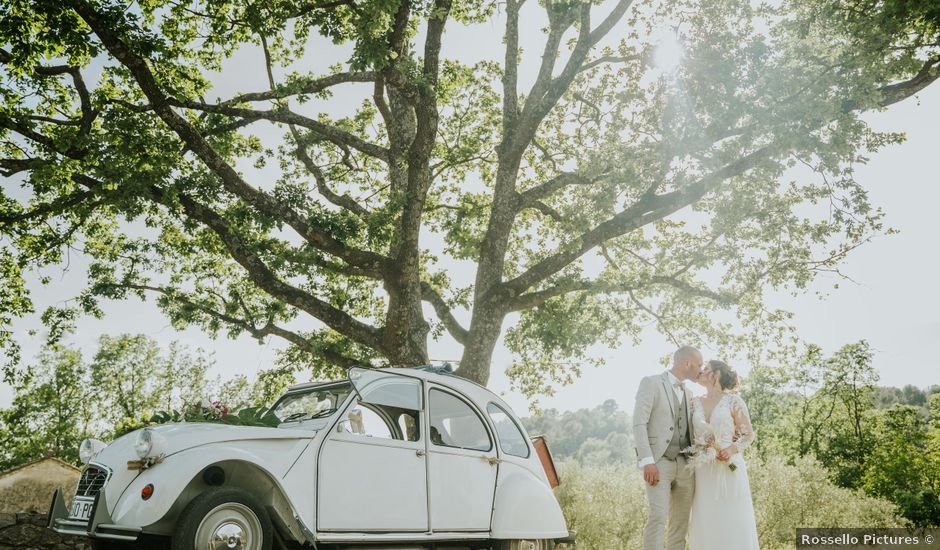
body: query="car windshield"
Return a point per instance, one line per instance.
(318, 402)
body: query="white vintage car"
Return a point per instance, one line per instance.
(399, 458)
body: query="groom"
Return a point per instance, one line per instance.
(662, 428)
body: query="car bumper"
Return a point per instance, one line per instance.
(569, 542)
(100, 525)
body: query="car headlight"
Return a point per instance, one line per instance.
(149, 444)
(89, 449)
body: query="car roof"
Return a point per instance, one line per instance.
(470, 389)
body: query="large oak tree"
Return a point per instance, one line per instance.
(586, 189)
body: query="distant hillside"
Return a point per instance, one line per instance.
(602, 435)
(887, 397)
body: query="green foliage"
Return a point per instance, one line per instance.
(823, 407)
(604, 503)
(276, 208)
(218, 414)
(903, 465)
(133, 378)
(61, 398)
(831, 409)
(799, 493)
(237, 392)
(52, 409)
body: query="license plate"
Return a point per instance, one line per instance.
(81, 509)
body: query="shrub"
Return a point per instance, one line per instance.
(787, 496)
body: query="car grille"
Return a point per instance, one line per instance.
(92, 481)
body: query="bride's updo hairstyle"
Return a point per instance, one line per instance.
(727, 377)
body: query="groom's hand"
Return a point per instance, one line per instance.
(651, 474)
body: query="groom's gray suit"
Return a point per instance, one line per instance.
(662, 428)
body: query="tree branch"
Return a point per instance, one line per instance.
(609, 59)
(88, 112)
(547, 91)
(49, 209)
(646, 210)
(314, 86)
(536, 298)
(546, 210)
(453, 326)
(283, 115)
(11, 167)
(343, 201)
(231, 180)
(269, 329)
(894, 93)
(511, 66)
(659, 318)
(432, 44)
(553, 185)
(259, 273)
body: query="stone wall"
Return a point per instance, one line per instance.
(27, 531)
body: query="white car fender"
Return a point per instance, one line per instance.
(525, 506)
(171, 477)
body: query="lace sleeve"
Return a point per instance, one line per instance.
(744, 432)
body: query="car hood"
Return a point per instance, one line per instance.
(186, 435)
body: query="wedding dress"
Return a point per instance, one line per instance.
(722, 516)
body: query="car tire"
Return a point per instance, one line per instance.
(525, 544)
(223, 512)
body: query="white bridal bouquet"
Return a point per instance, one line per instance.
(704, 450)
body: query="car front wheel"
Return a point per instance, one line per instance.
(223, 518)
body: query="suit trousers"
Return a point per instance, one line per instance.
(670, 501)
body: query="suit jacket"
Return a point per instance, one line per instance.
(654, 416)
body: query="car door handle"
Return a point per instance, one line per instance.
(493, 461)
(419, 453)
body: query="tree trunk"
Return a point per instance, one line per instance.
(485, 328)
(405, 338)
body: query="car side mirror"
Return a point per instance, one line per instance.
(355, 421)
(352, 423)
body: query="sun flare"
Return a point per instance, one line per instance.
(669, 53)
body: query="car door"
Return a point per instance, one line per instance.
(372, 473)
(462, 463)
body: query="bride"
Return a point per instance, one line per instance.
(722, 514)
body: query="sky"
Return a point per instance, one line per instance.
(892, 301)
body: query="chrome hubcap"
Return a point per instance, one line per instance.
(229, 526)
(230, 536)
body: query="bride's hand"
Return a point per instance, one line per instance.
(726, 453)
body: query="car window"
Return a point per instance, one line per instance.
(376, 421)
(454, 423)
(510, 436)
(316, 402)
(382, 388)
